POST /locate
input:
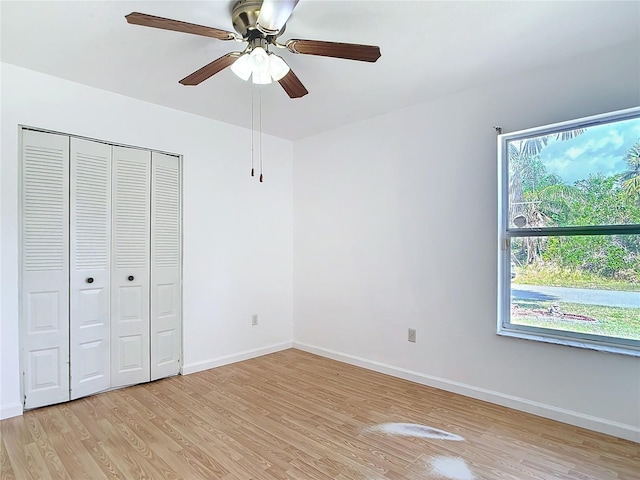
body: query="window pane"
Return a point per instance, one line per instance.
(585, 176)
(588, 284)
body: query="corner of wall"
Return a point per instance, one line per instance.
(10, 410)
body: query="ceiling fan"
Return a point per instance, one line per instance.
(259, 23)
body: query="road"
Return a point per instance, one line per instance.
(609, 298)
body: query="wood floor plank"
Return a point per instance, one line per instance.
(97, 454)
(5, 463)
(296, 416)
(16, 438)
(45, 448)
(75, 458)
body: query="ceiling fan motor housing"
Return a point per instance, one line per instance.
(245, 17)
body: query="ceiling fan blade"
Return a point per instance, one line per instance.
(199, 76)
(292, 85)
(145, 20)
(349, 51)
(274, 14)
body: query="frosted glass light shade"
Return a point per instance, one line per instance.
(275, 14)
(263, 67)
(278, 68)
(259, 60)
(242, 67)
(261, 78)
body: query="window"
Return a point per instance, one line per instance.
(570, 233)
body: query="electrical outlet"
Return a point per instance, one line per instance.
(254, 319)
(412, 335)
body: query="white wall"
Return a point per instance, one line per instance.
(395, 226)
(237, 232)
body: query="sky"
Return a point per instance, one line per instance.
(600, 149)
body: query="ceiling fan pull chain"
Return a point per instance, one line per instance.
(260, 120)
(252, 130)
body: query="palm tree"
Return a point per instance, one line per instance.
(537, 198)
(631, 178)
(527, 172)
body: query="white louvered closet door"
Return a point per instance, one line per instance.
(165, 266)
(130, 266)
(45, 268)
(90, 267)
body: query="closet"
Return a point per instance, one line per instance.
(100, 266)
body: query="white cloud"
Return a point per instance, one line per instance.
(575, 152)
(599, 150)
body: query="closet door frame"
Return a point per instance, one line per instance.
(21, 319)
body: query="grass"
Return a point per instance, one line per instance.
(552, 275)
(610, 321)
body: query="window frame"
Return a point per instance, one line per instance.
(505, 234)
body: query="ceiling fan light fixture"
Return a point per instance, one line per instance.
(278, 68)
(259, 60)
(262, 66)
(258, 23)
(242, 67)
(261, 78)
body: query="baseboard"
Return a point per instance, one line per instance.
(11, 410)
(15, 409)
(233, 358)
(602, 425)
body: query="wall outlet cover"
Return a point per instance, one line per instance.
(412, 334)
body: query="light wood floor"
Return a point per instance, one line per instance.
(292, 415)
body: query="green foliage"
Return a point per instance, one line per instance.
(545, 201)
(631, 178)
(552, 274)
(602, 256)
(558, 202)
(610, 321)
(530, 172)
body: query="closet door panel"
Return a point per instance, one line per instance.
(45, 268)
(130, 361)
(166, 314)
(90, 266)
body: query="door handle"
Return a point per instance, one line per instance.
(90, 280)
(130, 278)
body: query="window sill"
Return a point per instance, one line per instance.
(570, 342)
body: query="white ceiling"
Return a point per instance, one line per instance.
(429, 49)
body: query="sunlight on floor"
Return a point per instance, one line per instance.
(452, 468)
(413, 430)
